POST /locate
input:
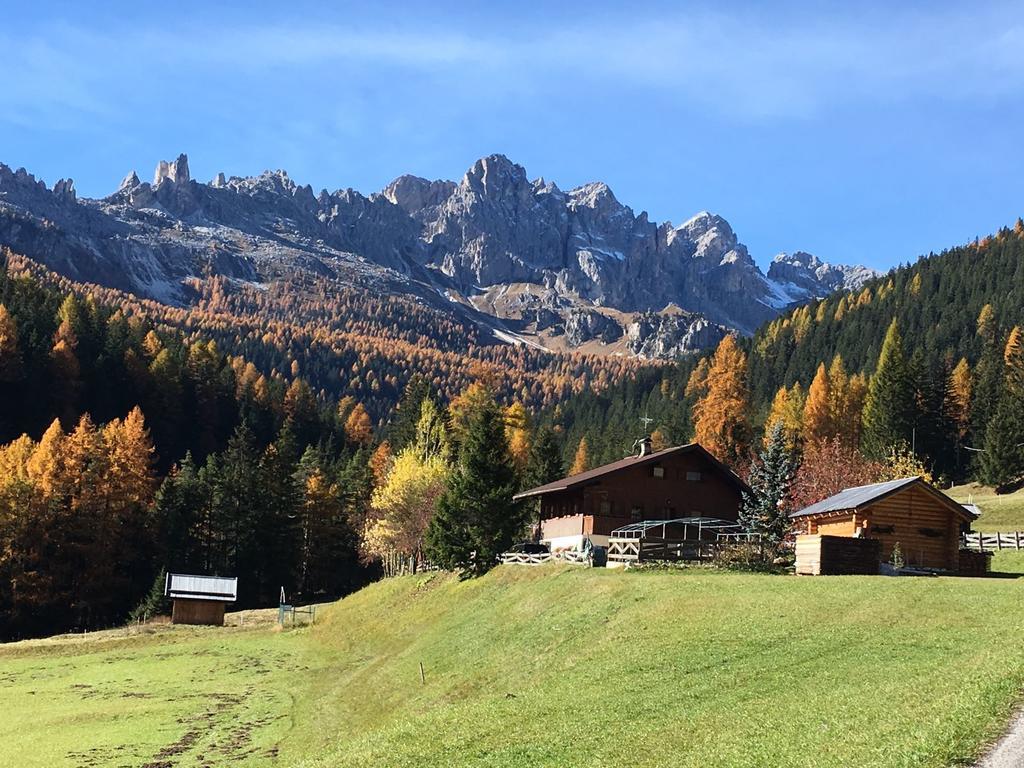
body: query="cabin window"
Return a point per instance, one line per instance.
(693, 477)
(931, 533)
(605, 507)
(658, 471)
(879, 529)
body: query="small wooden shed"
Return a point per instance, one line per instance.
(200, 599)
(925, 522)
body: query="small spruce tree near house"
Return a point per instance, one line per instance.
(765, 511)
(476, 518)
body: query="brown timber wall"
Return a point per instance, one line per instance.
(198, 612)
(842, 527)
(927, 530)
(818, 555)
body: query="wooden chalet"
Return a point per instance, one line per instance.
(681, 482)
(925, 521)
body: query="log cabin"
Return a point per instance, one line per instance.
(925, 522)
(683, 481)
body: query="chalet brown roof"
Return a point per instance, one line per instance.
(591, 475)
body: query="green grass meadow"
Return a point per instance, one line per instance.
(551, 666)
(999, 512)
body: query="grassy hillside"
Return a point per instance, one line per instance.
(552, 667)
(168, 696)
(999, 512)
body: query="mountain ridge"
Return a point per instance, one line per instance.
(521, 257)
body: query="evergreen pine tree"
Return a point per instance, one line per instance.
(766, 510)
(402, 429)
(890, 409)
(476, 518)
(545, 463)
(1002, 461)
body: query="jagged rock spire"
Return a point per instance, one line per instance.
(176, 171)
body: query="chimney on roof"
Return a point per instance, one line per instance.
(644, 446)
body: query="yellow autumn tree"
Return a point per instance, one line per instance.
(403, 507)
(581, 461)
(517, 432)
(720, 415)
(787, 409)
(659, 442)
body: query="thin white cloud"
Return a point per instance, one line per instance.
(742, 65)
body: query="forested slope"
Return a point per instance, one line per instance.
(953, 362)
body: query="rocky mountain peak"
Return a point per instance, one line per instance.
(176, 171)
(129, 182)
(65, 190)
(413, 194)
(593, 195)
(493, 174)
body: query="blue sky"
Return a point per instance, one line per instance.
(866, 135)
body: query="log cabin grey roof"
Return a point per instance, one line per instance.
(593, 475)
(859, 496)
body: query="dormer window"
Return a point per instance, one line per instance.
(658, 471)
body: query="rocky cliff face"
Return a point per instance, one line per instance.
(804, 276)
(521, 256)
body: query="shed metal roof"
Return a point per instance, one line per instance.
(185, 586)
(851, 498)
(854, 498)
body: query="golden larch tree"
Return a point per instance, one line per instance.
(517, 432)
(958, 397)
(817, 409)
(659, 442)
(581, 461)
(720, 416)
(358, 427)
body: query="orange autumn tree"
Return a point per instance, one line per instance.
(817, 410)
(720, 415)
(358, 427)
(958, 398)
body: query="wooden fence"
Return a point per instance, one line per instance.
(985, 542)
(539, 558)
